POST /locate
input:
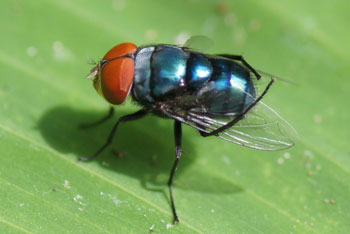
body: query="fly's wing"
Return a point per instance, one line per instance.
(199, 43)
(262, 128)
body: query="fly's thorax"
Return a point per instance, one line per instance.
(141, 90)
(160, 73)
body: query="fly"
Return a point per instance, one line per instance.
(218, 95)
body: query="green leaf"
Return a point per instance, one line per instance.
(219, 187)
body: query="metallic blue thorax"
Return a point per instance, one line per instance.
(217, 84)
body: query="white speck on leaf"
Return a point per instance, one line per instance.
(77, 198)
(32, 51)
(286, 155)
(66, 184)
(226, 160)
(59, 51)
(318, 167)
(21, 204)
(309, 154)
(34, 147)
(169, 225)
(280, 160)
(151, 228)
(318, 119)
(114, 198)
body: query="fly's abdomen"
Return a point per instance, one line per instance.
(198, 72)
(230, 89)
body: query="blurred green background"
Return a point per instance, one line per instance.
(45, 47)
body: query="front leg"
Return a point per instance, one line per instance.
(137, 115)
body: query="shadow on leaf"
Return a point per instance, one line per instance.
(143, 149)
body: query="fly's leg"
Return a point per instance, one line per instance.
(178, 150)
(100, 121)
(204, 134)
(137, 115)
(242, 60)
(239, 117)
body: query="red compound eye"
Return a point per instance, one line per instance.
(117, 74)
(120, 50)
(117, 77)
